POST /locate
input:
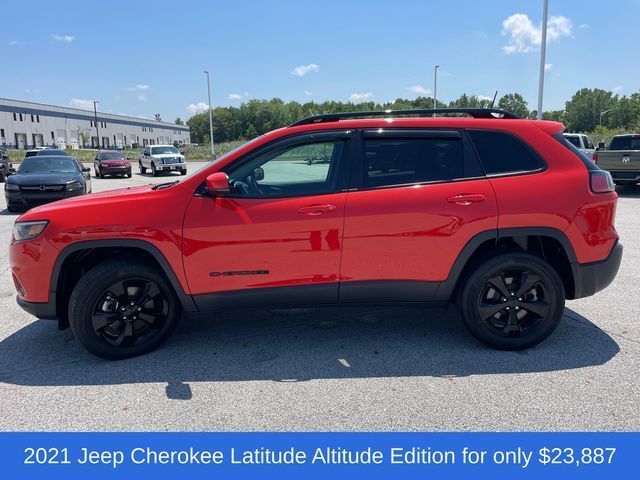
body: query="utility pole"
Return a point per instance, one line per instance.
(543, 48)
(435, 87)
(95, 115)
(603, 113)
(213, 153)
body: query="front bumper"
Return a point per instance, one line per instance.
(112, 170)
(20, 199)
(171, 167)
(590, 278)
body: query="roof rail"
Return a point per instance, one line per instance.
(472, 112)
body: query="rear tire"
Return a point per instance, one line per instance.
(183, 172)
(512, 301)
(123, 308)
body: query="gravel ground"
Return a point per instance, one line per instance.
(332, 369)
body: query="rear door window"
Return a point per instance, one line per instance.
(503, 153)
(394, 160)
(574, 139)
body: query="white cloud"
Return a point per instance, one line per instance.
(194, 108)
(618, 89)
(525, 37)
(583, 25)
(142, 97)
(548, 66)
(418, 89)
(63, 38)
(484, 97)
(360, 97)
(302, 70)
(81, 103)
(234, 96)
(14, 43)
(139, 87)
(308, 93)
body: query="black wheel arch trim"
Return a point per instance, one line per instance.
(186, 300)
(446, 289)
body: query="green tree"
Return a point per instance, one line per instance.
(582, 112)
(514, 103)
(179, 121)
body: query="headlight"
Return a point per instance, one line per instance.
(28, 230)
(75, 186)
(11, 186)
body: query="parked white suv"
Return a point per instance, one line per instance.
(161, 158)
(582, 142)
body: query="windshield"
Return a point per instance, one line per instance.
(48, 164)
(161, 150)
(626, 142)
(111, 156)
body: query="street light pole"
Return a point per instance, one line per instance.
(213, 154)
(435, 86)
(543, 48)
(603, 113)
(95, 115)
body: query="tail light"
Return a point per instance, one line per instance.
(601, 181)
(595, 157)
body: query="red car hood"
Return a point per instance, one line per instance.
(92, 198)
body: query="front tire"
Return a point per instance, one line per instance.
(123, 308)
(143, 170)
(512, 301)
(153, 170)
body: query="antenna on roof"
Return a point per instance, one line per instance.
(494, 99)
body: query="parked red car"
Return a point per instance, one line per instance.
(111, 162)
(498, 214)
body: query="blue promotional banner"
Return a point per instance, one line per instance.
(319, 455)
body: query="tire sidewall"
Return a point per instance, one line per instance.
(473, 289)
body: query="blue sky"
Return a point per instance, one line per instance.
(141, 58)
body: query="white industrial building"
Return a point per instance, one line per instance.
(25, 125)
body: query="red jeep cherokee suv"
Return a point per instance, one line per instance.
(499, 214)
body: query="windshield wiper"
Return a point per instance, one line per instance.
(162, 186)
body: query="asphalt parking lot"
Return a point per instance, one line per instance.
(332, 369)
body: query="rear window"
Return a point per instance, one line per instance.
(396, 161)
(627, 142)
(501, 152)
(574, 139)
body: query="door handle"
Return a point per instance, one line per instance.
(317, 209)
(466, 198)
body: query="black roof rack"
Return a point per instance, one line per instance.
(472, 112)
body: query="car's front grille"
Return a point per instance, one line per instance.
(169, 160)
(42, 188)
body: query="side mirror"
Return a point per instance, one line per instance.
(11, 171)
(601, 146)
(146, 154)
(217, 183)
(96, 159)
(258, 174)
(86, 169)
(128, 157)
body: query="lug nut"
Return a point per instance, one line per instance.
(504, 299)
(132, 304)
(520, 299)
(506, 309)
(139, 309)
(123, 309)
(512, 294)
(124, 318)
(517, 308)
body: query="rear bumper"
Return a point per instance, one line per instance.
(590, 278)
(625, 175)
(45, 310)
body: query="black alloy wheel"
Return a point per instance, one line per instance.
(512, 300)
(130, 312)
(122, 308)
(513, 303)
